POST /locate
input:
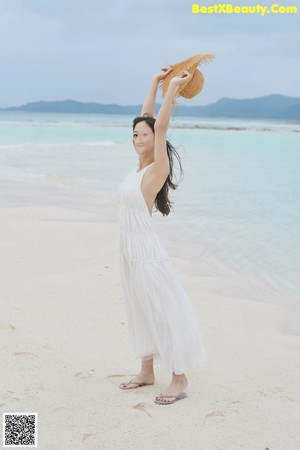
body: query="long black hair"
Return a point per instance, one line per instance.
(162, 201)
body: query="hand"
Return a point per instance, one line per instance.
(183, 78)
(160, 76)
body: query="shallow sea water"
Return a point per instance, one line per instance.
(236, 215)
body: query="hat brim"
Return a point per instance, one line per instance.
(193, 86)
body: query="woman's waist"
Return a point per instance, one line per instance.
(138, 223)
(142, 246)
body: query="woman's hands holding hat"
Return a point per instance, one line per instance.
(180, 81)
(161, 76)
(183, 78)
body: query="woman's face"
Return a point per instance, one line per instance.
(143, 138)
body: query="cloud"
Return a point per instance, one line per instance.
(107, 52)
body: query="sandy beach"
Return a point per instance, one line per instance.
(65, 348)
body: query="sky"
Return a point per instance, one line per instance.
(107, 51)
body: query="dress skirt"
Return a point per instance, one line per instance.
(161, 320)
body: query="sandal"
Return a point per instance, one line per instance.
(123, 385)
(180, 396)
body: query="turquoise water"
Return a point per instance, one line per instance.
(236, 211)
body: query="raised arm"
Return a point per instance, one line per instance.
(149, 103)
(157, 174)
(162, 123)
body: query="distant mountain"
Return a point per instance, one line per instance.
(270, 107)
(71, 106)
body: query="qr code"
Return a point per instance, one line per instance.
(19, 429)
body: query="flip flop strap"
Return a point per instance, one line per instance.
(132, 382)
(171, 396)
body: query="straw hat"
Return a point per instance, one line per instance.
(196, 83)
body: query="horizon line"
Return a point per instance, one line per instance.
(139, 104)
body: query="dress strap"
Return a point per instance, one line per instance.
(139, 171)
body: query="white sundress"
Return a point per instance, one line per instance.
(161, 320)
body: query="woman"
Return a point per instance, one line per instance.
(161, 320)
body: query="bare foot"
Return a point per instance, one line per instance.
(178, 385)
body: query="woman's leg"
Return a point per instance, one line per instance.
(146, 375)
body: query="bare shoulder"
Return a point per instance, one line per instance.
(155, 177)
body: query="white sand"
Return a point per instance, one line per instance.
(65, 348)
